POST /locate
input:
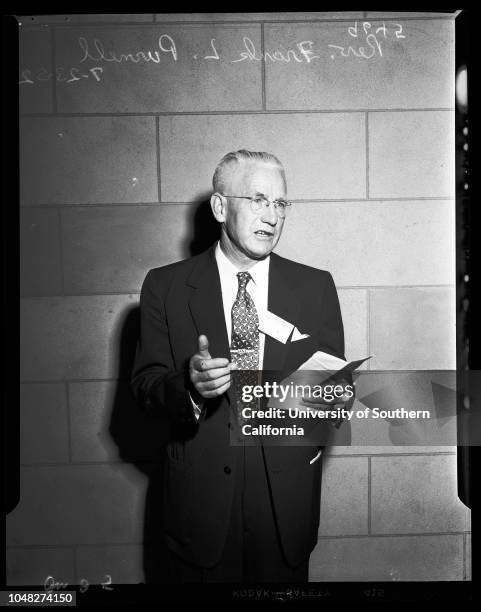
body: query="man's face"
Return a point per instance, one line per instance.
(248, 233)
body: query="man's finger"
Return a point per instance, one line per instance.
(202, 365)
(218, 391)
(204, 347)
(210, 385)
(214, 374)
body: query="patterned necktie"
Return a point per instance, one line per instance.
(244, 348)
(245, 324)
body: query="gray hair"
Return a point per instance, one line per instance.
(238, 158)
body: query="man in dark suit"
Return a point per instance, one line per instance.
(234, 512)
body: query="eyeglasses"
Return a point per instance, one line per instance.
(260, 203)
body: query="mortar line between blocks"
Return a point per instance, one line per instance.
(60, 250)
(368, 326)
(369, 518)
(53, 59)
(186, 113)
(367, 154)
(75, 564)
(69, 429)
(263, 69)
(157, 152)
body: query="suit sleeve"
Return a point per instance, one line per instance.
(158, 388)
(330, 336)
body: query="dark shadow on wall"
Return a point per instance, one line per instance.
(141, 439)
(205, 229)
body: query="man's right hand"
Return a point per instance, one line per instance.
(210, 377)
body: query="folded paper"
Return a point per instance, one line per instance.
(278, 328)
(296, 335)
(274, 326)
(325, 362)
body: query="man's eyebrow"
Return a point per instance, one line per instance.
(262, 195)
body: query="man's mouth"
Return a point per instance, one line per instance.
(263, 233)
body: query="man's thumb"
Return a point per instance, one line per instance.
(204, 347)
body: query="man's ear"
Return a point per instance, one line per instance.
(218, 205)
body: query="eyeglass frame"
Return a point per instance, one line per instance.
(268, 203)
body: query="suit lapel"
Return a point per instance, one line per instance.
(283, 302)
(206, 305)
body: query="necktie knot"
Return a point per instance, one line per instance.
(243, 278)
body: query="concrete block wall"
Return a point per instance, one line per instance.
(117, 153)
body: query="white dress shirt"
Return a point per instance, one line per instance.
(257, 287)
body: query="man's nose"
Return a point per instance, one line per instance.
(269, 214)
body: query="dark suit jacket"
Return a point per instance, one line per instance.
(178, 302)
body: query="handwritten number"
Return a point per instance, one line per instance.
(60, 73)
(382, 28)
(93, 71)
(353, 30)
(26, 74)
(215, 56)
(74, 78)
(107, 582)
(367, 26)
(398, 32)
(84, 585)
(44, 75)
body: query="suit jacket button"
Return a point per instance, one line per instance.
(227, 469)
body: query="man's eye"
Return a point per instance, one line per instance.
(281, 203)
(258, 200)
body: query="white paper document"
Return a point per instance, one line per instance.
(324, 362)
(274, 326)
(278, 328)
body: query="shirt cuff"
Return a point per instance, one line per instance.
(196, 407)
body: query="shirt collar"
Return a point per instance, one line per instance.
(259, 271)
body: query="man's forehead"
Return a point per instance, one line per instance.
(256, 172)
